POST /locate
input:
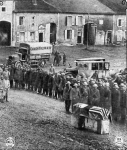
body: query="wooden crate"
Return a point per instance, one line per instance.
(98, 126)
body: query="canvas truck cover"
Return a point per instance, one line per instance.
(40, 48)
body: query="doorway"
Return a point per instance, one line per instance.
(109, 37)
(79, 37)
(41, 37)
(89, 33)
(52, 32)
(5, 33)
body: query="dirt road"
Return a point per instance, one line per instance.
(37, 122)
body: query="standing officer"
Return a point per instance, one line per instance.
(115, 97)
(74, 95)
(50, 84)
(66, 96)
(94, 96)
(106, 103)
(123, 101)
(84, 93)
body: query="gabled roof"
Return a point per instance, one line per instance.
(115, 5)
(63, 6)
(28, 6)
(81, 6)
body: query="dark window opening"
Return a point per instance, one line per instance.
(95, 66)
(21, 19)
(69, 34)
(3, 9)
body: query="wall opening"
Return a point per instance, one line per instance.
(5, 33)
(52, 32)
(89, 33)
(41, 37)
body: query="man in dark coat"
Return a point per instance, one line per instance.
(11, 77)
(115, 97)
(123, 101)
(50, 84)
(66, 96)
(45, 84)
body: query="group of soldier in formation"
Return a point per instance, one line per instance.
(106, 93)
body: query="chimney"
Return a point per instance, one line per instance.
(34, 2)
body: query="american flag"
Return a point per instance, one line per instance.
(102, 111)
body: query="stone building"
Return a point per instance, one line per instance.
(59, 21)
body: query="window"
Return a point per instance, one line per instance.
(22, 36)
(69, 20)
(101, 22)
(69, 34)
(101, 66)
(3, 9)
(32, 36)
(120, 22)
(94, 66)
(119, 35)
(21, 20)
(80, 20)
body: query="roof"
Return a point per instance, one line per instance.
(115, 5)
(63, 6)
(81, 6)
(24, 6)
(38, 44)
(91, 59)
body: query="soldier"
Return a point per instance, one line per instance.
(64, 59)
(6, 73)
(106, 103)
(95, 76)
(84, 93)
(45, 84)
(2, 87)
(115, 101)
(6, 87)
(56, 85)
(37, 80)
(74, 95)
(123, 101)
(16, 77)
(50, 84)
(11, 76)
(62, 82)
(101, 91)
(20, 77)
(40, 86)
(52, 69)
(94, 96)
(66, 96)
(1, 71)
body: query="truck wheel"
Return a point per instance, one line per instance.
(80, 122)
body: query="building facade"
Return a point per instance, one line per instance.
(38, 21)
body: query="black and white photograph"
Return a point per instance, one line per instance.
(63, 74)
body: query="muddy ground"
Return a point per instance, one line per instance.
(37, 122)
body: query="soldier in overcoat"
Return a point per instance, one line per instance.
(66, 96)
(123, 101)
(94, 96)
(56, 85)
(11, 76)
(74, 95)
(50, 84)
(115, 101)
(106, 103)
(84, 92)
(45, 84)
